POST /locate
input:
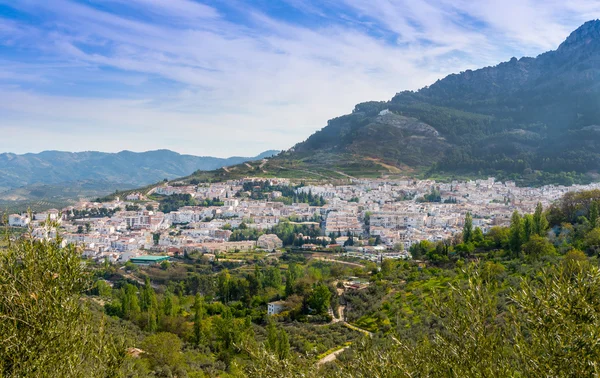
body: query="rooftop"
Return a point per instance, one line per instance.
(150, 258)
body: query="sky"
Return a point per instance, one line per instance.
(237, 77)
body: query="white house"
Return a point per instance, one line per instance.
(275, 307)
(16, 220)
(269, 242)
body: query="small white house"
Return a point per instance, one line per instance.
(16, 220)
(275, 307)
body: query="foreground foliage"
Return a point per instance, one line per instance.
(45, 327)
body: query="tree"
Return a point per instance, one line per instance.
(516, 233)
(528, 227)
(574, 262)
(478, 236)
(538, 247)
(291, 275)
(148, 297)
(198, 316)
(387, 267)
(499, 236)
(468, 228)
(272, 277)
(130, 306)
(277, 342)
(283, 345)
(350, 241)
(163, 349)
(592, 241)
(223, 285)
(319, 299)
(46, 329)
(271, 336)
(149, 305)
(168, 305)
(593, 217)
(539, 220)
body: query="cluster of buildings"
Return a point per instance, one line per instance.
(394, 213)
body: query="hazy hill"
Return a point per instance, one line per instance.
(124, 168)
(57, 179)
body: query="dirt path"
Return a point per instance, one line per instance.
(390, 168)
(338, 261)
(304, 170)
(345, 175)
(364, 331)
(331, 356)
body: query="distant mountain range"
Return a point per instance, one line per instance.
(126, 167)
(55, 174)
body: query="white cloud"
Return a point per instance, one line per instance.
(198, 83)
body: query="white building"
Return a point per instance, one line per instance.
(16, 220)
(269, 242)
(275, 307)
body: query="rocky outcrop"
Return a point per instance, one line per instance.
(410, 125)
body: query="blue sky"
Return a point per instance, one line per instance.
(236, 77)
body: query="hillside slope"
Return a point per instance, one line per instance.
(533, 119)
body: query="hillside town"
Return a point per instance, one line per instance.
(368, 219)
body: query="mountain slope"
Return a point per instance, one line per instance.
(125, 168)
(533, 119)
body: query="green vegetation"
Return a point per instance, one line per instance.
(176, 201)
(259, 190)
(288, 232)
(45, 328)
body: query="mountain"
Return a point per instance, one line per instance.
(536, 120)
(57, 179)
(125, 168)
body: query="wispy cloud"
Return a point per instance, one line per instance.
(237, 77)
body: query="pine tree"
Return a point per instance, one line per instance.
(528, 227)
(198, 316)
(152, 322)
(283, 345)
(130, 304)
(271, 336)
(468, 228)
(168, 307)
(539, 220)
(478, 235)
(290, 279)
(516, 233)
(593, 215)
(148, 297)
